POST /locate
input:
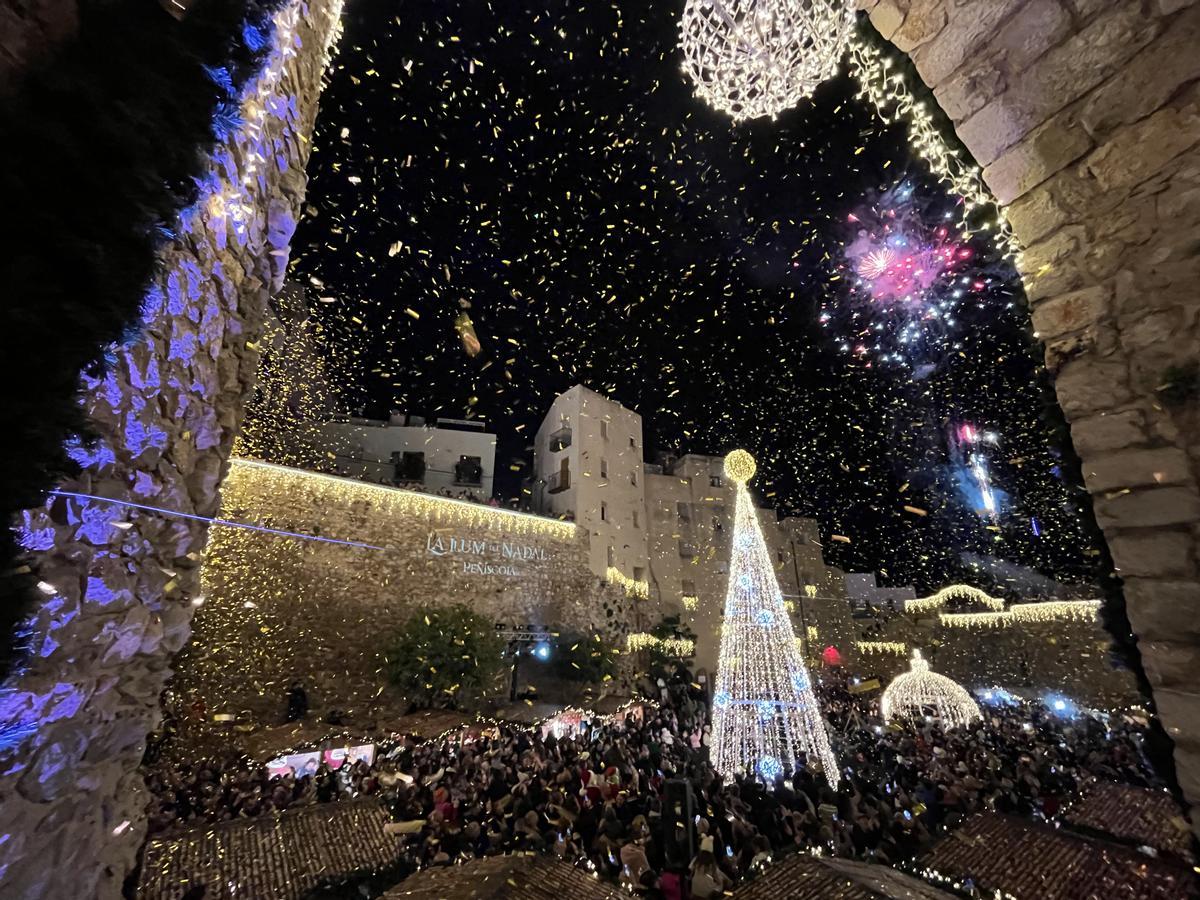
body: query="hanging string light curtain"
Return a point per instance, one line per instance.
(765, 714)
(920, 692)
(756, 58)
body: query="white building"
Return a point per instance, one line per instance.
(587, 462)
(664, 529)
(449, 455)
(864, 590)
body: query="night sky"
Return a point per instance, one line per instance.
(544, 169)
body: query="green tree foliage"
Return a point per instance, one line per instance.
(445, 658)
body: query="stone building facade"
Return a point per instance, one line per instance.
(663, 529)
(1085, 116)
(1068, 657)
(118, 548)
(588, 465)
(689, 516)
(321, 596)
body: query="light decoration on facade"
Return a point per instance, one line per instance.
(964, 592)
(920, 692)
(1056, 610)
(975, 620)
(756, 58)
(1049, 611)
(872, 648)
(633, 588)
(642, 640)
(250, 478)
(894, 102)
(765, 713)
(690, 601)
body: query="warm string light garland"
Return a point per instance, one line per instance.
(894, 102)
(633, 587)
(689, 601)
(873, 647)
(756, 58)
(765, 713)
(953, 592)
(393, 500)
(915, 693)
(671, 646)
(1050, 611)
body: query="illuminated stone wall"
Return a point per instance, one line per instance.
(1085, 116)
(119, 575)
(282, 607)
(1069, 656)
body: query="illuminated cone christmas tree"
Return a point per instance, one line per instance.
(765, 714)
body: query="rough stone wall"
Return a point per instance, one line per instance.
(278, 608)
(120, 577)
(1085, 115)
(1065, 656)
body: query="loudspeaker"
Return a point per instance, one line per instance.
(679, 822)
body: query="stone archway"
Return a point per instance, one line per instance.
(1085, 116)
(117, 547)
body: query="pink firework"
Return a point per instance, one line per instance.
(876, 263)
(901, 263)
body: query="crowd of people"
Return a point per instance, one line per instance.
(597, 797)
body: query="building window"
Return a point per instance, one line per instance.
(723, 566)
(561, 480)
(639, 574)
(779, 555)
(603, 430)
(717, 524)
(560, 439)
(689, 587)
(409, 466)
(603, 467)
(685, 512)
(469, 471)
(611, 560)
(714, 481)
(636, 524)
(632, 444)
(633, 477)
(603, 511)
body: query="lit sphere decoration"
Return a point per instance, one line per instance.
(740, 466)
(920, 692)
(755, 58)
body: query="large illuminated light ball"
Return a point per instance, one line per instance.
(740, 466)
(755, 58)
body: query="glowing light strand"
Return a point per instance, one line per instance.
(765, 713)
(1049, 611)
(642, 640)
(397, 500)
(633, 587)
(920, 692)
(894, 102)
(873, 647)
(953, 592)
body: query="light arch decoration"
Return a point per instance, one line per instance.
(920, 692)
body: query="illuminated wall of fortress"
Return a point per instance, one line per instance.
(322, 608)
